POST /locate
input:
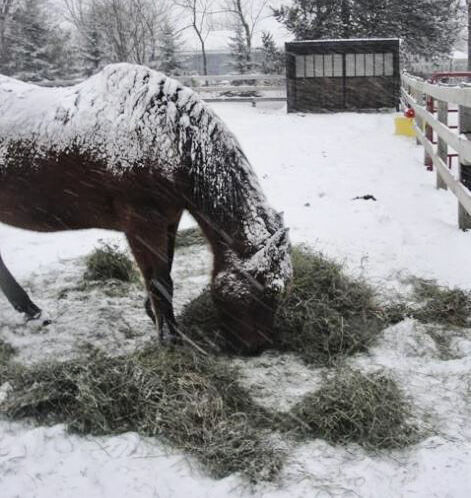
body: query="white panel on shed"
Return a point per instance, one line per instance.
(388, 64)
(369, 65)
(328, 65)
(319, 66)
(338, 65)
(350, 65)
(309, 66)
(300, 66)
(360, 64)
(379, 65)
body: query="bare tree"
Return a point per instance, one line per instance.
(127, 29)
(246, 15)
(198, 12)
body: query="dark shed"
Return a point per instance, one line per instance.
(332, 75)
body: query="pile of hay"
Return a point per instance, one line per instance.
(353, 407)
(109, 262)
(191, 401)
(326, 315)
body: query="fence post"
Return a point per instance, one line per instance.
(442, 148)
(429, 133)
(418, 120)
(464, 219)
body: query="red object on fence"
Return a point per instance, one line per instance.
(409, 113)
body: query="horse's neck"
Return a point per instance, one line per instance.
(237, 223)
(225, 198)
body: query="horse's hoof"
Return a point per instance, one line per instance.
(33, 316)
(171, 340)
(36, 317)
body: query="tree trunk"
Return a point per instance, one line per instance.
(205, 60)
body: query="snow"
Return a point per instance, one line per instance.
(311, 167)
(459, 54)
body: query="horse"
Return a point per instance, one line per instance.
(130, 149)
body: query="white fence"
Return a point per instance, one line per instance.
(428, 68)
(222, 88)
(238, 87)
(433, 104)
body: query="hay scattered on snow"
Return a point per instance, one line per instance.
(439, 304)
(109, 262)
(354, 407)
(192, 401)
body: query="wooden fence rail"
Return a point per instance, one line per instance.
(432, 104)
(209, 89)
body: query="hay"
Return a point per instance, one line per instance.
(354, 407)
(200, 322)
(189, 237)
(109, 262)
(6, 352)
(191, 401)
(439, 304)
(326, 315)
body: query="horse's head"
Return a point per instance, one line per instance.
(247, 293)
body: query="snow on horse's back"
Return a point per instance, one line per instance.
(129, 149)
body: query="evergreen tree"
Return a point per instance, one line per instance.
(92, 43)
(272, 57)
(427, 27)
(36, 49)
(241, 57)
(170, 45)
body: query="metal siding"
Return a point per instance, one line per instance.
(343, 93)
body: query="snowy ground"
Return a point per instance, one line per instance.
(311, 167)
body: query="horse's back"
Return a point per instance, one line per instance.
(87, 155)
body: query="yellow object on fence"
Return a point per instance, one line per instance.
(404, 126)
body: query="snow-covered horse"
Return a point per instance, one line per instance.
(129, 149)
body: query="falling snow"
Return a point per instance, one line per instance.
(313, 173)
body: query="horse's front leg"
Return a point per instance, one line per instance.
(153, 258)
(16, 295)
